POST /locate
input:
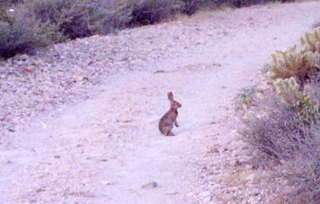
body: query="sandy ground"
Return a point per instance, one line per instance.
(107, 149)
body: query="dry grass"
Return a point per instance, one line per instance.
(282, 143)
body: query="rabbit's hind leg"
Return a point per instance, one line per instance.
(170, 134)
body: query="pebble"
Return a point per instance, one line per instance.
(150, 185)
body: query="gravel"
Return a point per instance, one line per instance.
(70, 72)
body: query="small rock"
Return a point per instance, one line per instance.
(108, 183)
(159, 71)
(40, 190)
(150, 185)
(11, 130)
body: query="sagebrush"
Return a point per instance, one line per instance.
(19, 37)
(282, 129)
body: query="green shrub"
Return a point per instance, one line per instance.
(118, 19)
(10, 2)
(190, 6)
(49, 33)
(73, 18)
(246, 98)
(237, 3)
(151, 12)
(55, 21)
(283, 128)
(19, 37)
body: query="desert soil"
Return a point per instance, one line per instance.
(79, 120)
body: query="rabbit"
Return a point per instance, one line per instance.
(170, 118)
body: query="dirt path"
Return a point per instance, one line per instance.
(108, 149)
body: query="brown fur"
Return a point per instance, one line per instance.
(170, 118)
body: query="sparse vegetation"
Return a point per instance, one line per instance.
(74, 19)
(247, 98)
(151, 12)
(274, 132)
(20, 37)
(283, 128)
(61, 20)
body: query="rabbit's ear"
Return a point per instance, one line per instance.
(170, 96)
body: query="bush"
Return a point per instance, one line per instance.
(190, 6)
(55, 21)
(236, 3)
(74, 19)
(151, 12)
(276, 135)
(284, 127)
(17, 38)
(118, 20)
(281, 141)
(246, 98)
(10, 2)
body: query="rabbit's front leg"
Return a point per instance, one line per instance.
(176, 123)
